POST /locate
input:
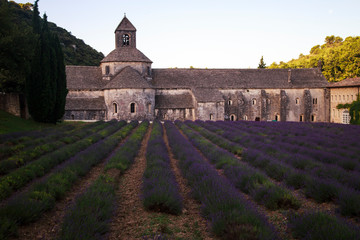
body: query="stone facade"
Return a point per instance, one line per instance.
(125, 86)
(14, 103)
(343, 92)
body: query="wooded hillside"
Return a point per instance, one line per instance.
(340, 59)
(17, 42)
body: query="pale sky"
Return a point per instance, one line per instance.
(207, 33)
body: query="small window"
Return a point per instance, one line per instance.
(301, 118)
(132, 108)
(352, 97)
(343, 97)
(115, 107)
(149, 71)
(332, 97)
(314, 101)
(254, 101)
(348, 98)
(107, 70)
(230, 102)
(72, 116)
(268, 101)
(313, 118)
(297, 101)
(211, 116)
(232, 117)
(149, 107)
(335, 97)
(333, 112)
(125, 39)
(245, 118)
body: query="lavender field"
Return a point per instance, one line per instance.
(182, 180)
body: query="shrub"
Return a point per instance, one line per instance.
(321, 226)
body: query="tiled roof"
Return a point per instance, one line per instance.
(128, 78)
(174, 101)
(207, 95)
(85, 104)
(84, 78)
(350, 82)
(238, 78)
(126, 25)
(126, 54)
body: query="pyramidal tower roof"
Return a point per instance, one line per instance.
(125, 25)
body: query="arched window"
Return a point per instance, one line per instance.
(107, 70)
(115, 107)
(72, 117)
(232, 117)
(245, 118)
(230, 102)
(132, 108)
(301, 118)
(211, 116)
(297, 101)
(277, 117)
(254, 101)
(313, 118)
(125, 40)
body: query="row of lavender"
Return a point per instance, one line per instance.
(160, 189)
(311, 140)
(41, 195)
(315, 187)
(21, 176)
(247, 179)
(27, 151)
(90, 215)
(320, 181)
(231, 216)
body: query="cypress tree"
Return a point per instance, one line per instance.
(46, 85)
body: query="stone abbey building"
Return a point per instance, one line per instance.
(125, 86)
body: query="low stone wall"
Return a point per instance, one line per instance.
(14, 103)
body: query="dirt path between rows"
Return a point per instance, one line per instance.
(130, 213)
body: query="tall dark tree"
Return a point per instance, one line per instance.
(46, 85)
(262, 64)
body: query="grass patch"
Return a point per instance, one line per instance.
(10, 123)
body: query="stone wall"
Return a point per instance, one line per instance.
(94, 115)
(144, 100)
(276, 104)
(175, 114)
(341, 96)
(210, 111)
(14, 103)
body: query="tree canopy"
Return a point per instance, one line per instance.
(340, 59)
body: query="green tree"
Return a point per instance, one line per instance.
(340, 58)
(46, 85)
(262, 64)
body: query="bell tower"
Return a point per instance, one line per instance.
(125, 34)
